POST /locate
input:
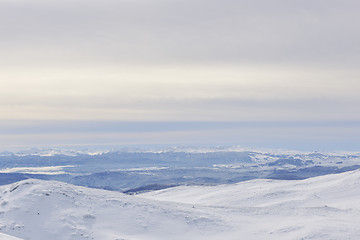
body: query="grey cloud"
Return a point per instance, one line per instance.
(194, 109)
(179, 32)
(292, 135)
(20, 127)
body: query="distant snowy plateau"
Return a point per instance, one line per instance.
(179, 194)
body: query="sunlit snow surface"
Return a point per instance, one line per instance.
(325, 207)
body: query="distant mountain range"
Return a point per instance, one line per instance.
(134, 171)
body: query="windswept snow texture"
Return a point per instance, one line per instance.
(325, 207)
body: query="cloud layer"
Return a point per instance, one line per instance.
(179, 61)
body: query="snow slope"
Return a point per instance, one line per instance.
(326, 207)
(8, 237)
(335, 190)
(35, 209)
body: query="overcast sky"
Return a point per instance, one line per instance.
(179, 61)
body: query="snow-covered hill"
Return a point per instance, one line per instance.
(35, 209)
(335, 190)
(326, 207)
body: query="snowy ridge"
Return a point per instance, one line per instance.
(334, 190)
(325, 207)
(8, 237)
(160, 149)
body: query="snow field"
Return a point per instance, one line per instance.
(325, 207)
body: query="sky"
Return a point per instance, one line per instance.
(279, 73)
